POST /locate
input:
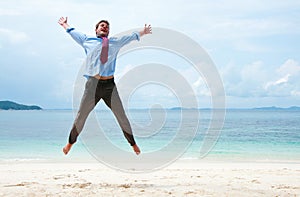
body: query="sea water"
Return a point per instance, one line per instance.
(247, 135)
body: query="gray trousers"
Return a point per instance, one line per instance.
(95, 90)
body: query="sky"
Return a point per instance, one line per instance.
(255, 47)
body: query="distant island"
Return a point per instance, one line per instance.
(9, 105)
(182, 108)
(277, 108)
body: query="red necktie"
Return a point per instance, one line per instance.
(104, 51)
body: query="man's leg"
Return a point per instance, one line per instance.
(113, 101)
(87, 104)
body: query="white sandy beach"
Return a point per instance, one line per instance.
(183, 178)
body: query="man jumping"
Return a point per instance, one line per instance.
(100, 66)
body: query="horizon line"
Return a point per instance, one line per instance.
(190, 108)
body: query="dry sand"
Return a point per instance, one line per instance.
(183, 178)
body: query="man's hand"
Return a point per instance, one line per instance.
(63, 22)
(146, 30)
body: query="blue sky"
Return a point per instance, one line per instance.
(255, 46)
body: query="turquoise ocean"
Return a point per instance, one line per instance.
(247, 134)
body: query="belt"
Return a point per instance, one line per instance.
(106, 80)
(111, 80)
(103, 77)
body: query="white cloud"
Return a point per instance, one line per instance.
(295, 93)
(244, 81)
(260, 80)
(13, 36)
(278, 82)
(287, 82)
(200, 88)
(282, 80)
(290, 67)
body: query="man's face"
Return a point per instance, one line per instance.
(102, 30)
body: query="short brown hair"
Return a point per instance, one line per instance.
(102, 21)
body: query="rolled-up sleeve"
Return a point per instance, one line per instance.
(77, 36)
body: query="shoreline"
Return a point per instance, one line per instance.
(210, 159)
(180, 164)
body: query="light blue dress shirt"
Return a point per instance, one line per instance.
(93, 45)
